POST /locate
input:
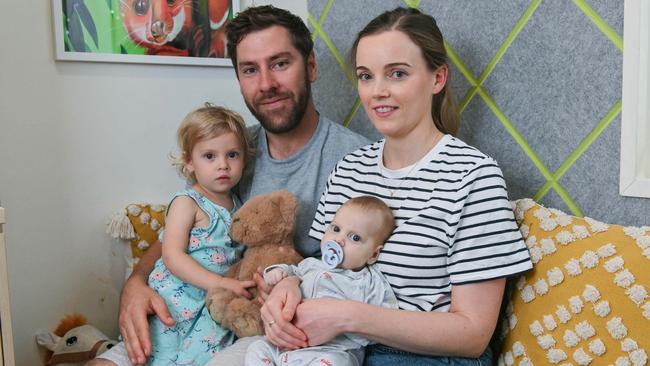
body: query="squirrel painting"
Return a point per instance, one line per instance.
(177, 27)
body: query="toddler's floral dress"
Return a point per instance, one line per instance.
(196, 337)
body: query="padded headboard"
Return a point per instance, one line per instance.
(538, 84)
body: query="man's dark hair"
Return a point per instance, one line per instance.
(262, 17)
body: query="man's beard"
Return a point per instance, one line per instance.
(296, 113)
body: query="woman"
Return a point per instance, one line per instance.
(456, 240)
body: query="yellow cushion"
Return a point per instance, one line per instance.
(147, 221)
(139, 224)
(586, 299)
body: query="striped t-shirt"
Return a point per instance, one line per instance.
(454, 222)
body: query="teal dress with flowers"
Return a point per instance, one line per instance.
(196, 337)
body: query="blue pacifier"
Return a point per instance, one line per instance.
(332, 254)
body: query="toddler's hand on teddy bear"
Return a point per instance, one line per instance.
(238, 287)
(274, 276)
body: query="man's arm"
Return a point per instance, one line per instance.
(137, 302)
(147, 262)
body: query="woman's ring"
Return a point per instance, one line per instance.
(271, 322)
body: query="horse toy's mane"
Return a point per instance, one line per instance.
(69, 322)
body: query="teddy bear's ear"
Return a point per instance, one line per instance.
(47, 339)
(288, 205)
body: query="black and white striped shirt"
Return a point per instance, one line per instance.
(454, 222)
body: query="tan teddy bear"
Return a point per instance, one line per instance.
(265, 224)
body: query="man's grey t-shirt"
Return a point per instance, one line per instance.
(304, 174)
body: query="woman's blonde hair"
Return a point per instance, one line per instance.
(206, 123)
(424, 32)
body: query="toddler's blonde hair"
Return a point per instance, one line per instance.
(206, 123)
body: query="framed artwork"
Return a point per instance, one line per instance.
(188, 32)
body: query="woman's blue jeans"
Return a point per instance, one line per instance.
(380, 355)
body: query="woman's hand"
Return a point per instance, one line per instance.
(277, 313)
(236, 286)
(137, 302)
(319, 319)
(263, 289)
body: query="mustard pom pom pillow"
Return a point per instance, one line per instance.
(586, 299)
(147, 221)
(139, 224)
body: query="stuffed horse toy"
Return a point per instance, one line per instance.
(73, 342)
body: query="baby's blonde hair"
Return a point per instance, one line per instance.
(206, 123)
(386, 222)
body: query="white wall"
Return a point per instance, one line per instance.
(77, 142)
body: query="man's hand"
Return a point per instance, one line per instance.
(137, 302)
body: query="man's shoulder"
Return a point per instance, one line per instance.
(343, 135)
(253, 133)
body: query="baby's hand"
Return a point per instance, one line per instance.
(274, 276)
(238, 287)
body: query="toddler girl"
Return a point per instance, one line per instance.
(196, 249)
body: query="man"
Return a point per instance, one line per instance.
(296, 149)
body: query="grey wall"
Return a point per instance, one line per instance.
(549, 104)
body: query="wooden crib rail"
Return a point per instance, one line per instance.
(6, 338)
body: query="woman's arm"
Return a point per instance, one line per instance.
(464, 331)
(181, 217)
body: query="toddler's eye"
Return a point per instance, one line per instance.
(335, 228)
(355, 237)
(233, 155)
(209, 156)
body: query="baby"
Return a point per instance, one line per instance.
(350, 245)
